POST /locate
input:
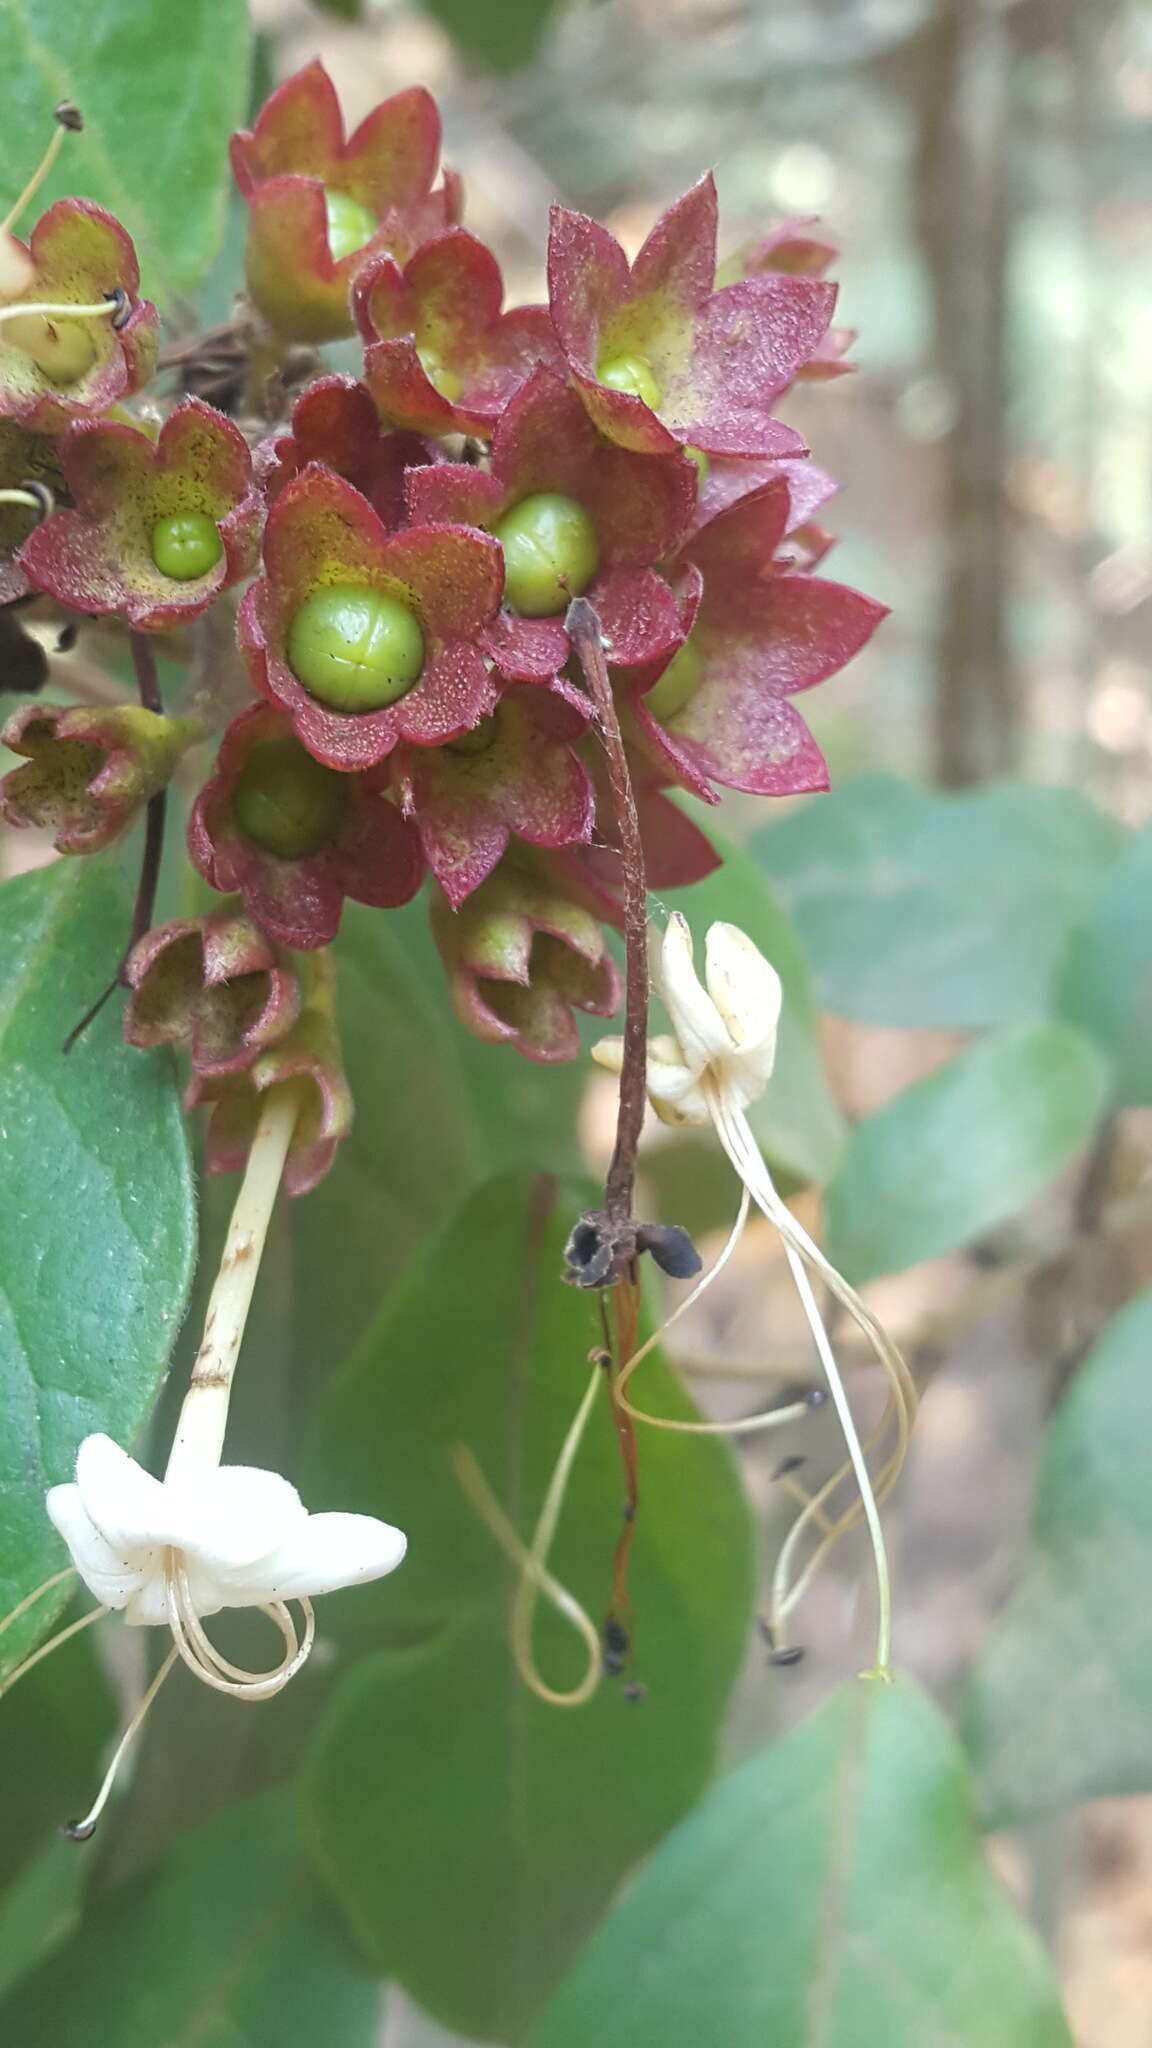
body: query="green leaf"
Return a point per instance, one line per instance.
(503, 34)
(1060, 1705)
(476, 1884)
(924, 910)
(224, 1944)
(96, 1194)
(831, 1894)
(1105, 985)
(963, 1150)
(158, 110)
(39, 1911)
(796, 1121)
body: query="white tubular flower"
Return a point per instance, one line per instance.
(718, 1060)
(238, 1536)
(168, 1552)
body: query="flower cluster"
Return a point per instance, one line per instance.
(402, 549)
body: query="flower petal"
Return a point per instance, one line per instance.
(746, 990)
(235, 1516)
(326, 1553)
(112, 1577)
(693, 1015)
(125, 1503)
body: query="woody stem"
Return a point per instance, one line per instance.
(584, 633)
(199, 1437)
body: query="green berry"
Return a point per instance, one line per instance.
(63, 350)
(288, 803)
(355, 649)
(350, 225)
(631, 374)
(551, 554)
(678, 683)
(186, 545)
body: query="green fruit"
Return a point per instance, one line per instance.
(350, 225)
(354, 648)
(551, 554)
(632, 375)
(286, 802)
(186, 545)
(679, 682)
(63, 350)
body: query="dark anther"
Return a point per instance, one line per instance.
(617, 1643)
(787, 1465)
(45, 499)
(598, 1253)
(783, 1657)
(69, 116)
(634, 1692)
(671, 1247)
(123, 304)
(817, 1397)
(598, 1356)
(66, 638)
(629, 1511)
(77, 1830)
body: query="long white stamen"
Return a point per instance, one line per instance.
(81, 1830)
(199, 1437)
(27, 498)
(22, 309)
(205, 1660)
(736, 1137)
(535, 1578)
(42, 170)
(62, 1636)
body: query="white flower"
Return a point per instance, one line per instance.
(718, 1060)
(242, 1537)
(723, 1042)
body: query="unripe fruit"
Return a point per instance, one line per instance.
(186, 545)
(350, 225)
(679, 682)
(551, 554)
(355, 649)
(286, 802)
(62, 349)
(630, 374)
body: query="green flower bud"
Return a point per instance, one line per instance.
(350, 225)
(631, 374)
(551, 554)
(186, 545)
(678, 683)
(354, 648)
(286, 802)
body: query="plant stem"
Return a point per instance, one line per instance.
(584, 632)
(199, 1437)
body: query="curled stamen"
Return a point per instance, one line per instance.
(36, 496)
(201, 1654)
(83, 1830)
(62, 1636)
(535, 1578)
(206, 1661)
(30, 1599)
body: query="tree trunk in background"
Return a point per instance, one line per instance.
(962, 221)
